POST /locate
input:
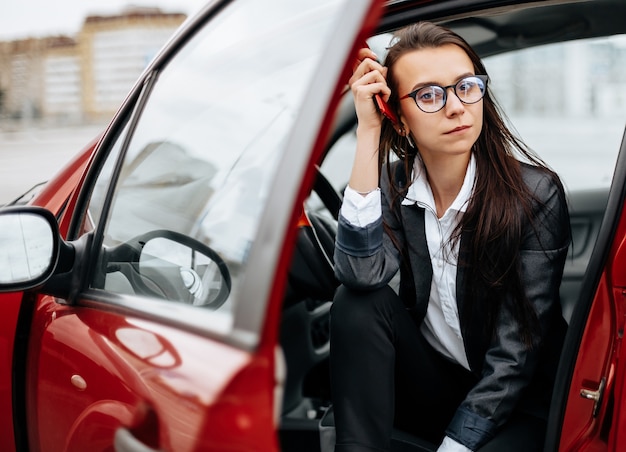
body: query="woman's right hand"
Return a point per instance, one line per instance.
(368, 79)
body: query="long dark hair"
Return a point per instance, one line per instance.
(500, 204)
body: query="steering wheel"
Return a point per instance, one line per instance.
(154, 274)
(327, 193)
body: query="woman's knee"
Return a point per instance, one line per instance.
(358, 309)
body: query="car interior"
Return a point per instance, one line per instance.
(495, 34)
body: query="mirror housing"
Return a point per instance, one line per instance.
(31, 248)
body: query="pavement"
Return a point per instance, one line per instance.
(33, 154)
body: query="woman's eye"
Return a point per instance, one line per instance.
(429, 94)
(426, 96)
(466, 86)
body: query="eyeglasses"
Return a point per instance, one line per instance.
(432, 98)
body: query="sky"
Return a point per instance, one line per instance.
(37, 18)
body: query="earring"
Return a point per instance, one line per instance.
(407, 135)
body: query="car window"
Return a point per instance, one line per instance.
(568, 103)
(197, 171)
(98, 196)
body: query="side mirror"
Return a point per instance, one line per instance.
(29, 247)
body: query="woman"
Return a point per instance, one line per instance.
(466, 355)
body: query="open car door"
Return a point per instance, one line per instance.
(158, 330)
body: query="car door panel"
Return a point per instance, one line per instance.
(614, 395)
(618, 436)
(11, 304)
(104, 369)
(580, 423)
(586, 212)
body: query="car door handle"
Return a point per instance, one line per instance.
(125, 441)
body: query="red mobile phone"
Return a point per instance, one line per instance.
(382, 106)
(385, 109)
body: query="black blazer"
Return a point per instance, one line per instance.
(509, 375)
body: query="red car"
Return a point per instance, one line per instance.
(167, 290)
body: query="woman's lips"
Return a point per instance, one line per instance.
(457, 130)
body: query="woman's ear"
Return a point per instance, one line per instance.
(401, 127)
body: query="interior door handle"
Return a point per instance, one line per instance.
(125, 441)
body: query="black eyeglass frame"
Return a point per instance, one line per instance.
(413, 94)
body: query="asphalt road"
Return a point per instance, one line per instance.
(30, 155)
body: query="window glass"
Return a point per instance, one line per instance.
(197, 172)
(568, 103)
(98, 194)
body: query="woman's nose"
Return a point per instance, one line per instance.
(453, 103)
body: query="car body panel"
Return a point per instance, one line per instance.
(580, 426)
(11, 304)
(618, 436)
(107, 370)
(56, 194)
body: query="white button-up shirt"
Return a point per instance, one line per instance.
(441, 326)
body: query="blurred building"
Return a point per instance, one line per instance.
(580, 78)
(62, 83)
(115, 49)
(21, 84)
(82, 78)
(86, 77)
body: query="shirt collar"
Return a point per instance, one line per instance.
(419, 191)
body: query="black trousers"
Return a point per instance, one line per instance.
(384, 375)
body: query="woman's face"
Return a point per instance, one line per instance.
(455, 128)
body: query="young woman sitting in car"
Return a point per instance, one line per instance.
(465, 356)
